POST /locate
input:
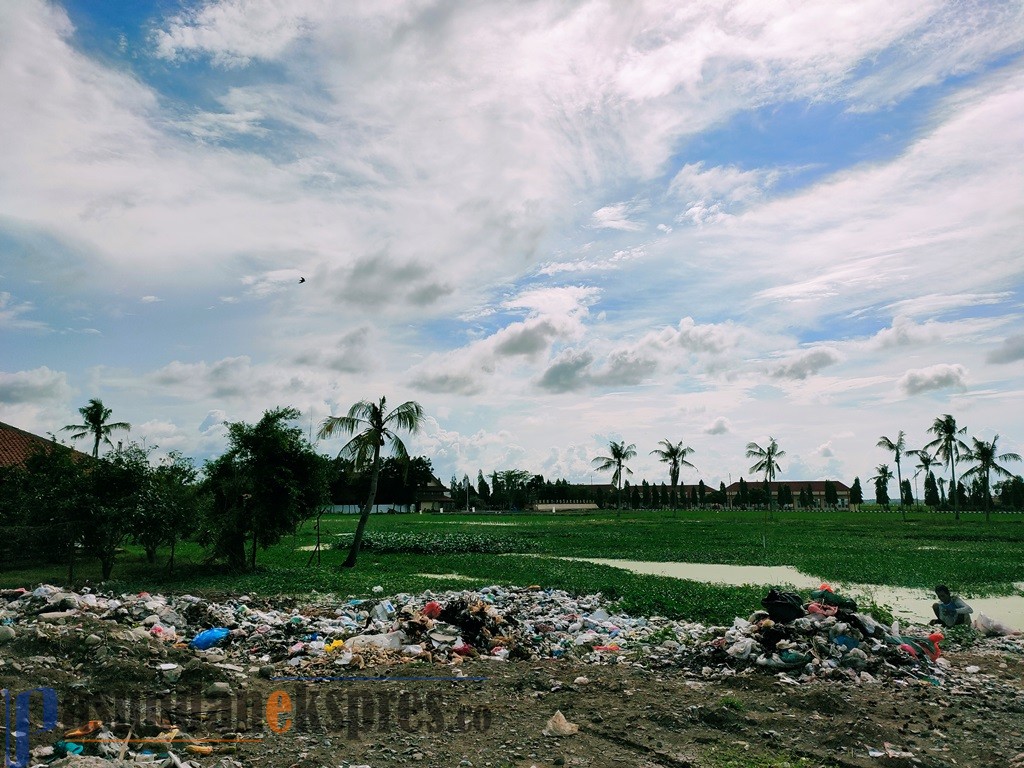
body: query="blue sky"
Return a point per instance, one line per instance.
(552, 224)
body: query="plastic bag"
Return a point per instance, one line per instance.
(209, 638)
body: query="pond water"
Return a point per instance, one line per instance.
(907, 604)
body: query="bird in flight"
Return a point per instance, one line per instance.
(302, 279)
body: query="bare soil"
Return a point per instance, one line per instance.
(627, 715)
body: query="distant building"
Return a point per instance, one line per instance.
(817, 491)
(434, 496)
(16, 445)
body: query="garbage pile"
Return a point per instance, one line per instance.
(826, 637)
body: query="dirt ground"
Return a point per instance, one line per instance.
(496, 715)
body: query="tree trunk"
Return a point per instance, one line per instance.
(956, 505)
(170, 562)
(151, 554)
(899, 479)
(107, 565)
(364, 514)
(252, 557)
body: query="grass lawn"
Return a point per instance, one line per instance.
(864, 547)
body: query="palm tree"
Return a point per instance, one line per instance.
(881, 479)
(620, 453)
(95, 416)
(925, 463)
(948, 446)
(673, 454)
(985, 455)
(377, 427)
(898, 448)
(767, 462)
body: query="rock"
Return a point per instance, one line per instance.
(218, 690)
(93, 640)
(267, 671)
(7, 634)
(559, 726)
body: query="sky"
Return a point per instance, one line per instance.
(553, 224)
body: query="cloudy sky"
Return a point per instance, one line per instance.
(552, 223)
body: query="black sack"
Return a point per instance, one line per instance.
(783, 606)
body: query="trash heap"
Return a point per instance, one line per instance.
(276, 637)
(825, 638)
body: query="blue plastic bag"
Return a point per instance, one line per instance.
(209, 638)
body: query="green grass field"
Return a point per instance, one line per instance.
(865, 547)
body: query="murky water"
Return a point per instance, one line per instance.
(908, 604)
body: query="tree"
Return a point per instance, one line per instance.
(620, 454)
(95, 423)
(268, 481)
(743, 494)
(831, 494)
(881, 480)
(925, 463)
(373, 427)
(673, 454)
(906, 494)
(898, 447)
(856, 492)
(931, 490)
(175, 500)
(483, 490)
(987, 458)
(948, 447)
(767, 462)
(785, 496)
(119, 491)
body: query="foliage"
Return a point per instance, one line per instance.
(856, 492)
(95, 423)
(881, 479)
(441, 543)
(268, 481)
(987, 456)
(119, 489)
(372, 427)
(948, 447)
(619, 454)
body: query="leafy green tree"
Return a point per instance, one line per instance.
(702, 491)
(831, 494)
(268, 481)
(373, 427)
(856, 492)
(987, 458)
(96, 423)
(931, 490)
(785, 496)
(620, 453)
(898, 448)
(743, 494)
(881, 479)
(483, 490)
(673, 454)
(948, 447)
(645, 493)
(1011, 493)
(172, 507)
(119, 490)
(907, 493)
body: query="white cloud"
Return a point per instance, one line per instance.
(12, 314)
(941, 376)
(37, 386)
(720, 426)
(150, 299)
(1010, 351)
(806, 363)
(615, 217)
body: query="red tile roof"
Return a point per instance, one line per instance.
(16, 445)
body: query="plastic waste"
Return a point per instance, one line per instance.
(209, 638)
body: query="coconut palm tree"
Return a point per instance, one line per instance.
(767, 462)
(673, 454)
(881, 479)
(986, 457)
(898, 447)
(373, 427)
(95, 416)
(925, 463)
(620, 454)
(948, 447)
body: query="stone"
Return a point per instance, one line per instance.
(218, 690)
(7, 634)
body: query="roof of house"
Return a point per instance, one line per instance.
(817, 486)
(16, 445)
